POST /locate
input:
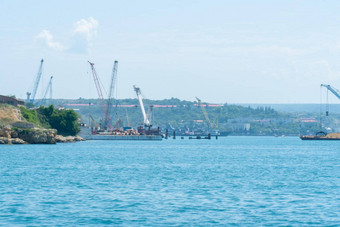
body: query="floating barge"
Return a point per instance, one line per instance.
(86, 134)
(330, 136)
(125, 137)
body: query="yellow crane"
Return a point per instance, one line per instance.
(211, 125)
(204, 113)
(94, 121)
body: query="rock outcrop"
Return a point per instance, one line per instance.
(34, 136)
(37, 136)
(5, 140)
(68, 139)
(14, 129)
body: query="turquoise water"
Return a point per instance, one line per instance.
(233, 180)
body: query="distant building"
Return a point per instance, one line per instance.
(11, 101)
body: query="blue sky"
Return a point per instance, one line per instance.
(219, 51)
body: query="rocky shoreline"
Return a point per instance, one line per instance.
(9, 135)
(19, 125)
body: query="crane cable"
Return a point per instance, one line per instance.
(327, 104)
(320, 108)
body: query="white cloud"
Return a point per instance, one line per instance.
(83, 33)
(87, 28)
(48, 38)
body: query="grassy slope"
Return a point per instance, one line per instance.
(9, 114)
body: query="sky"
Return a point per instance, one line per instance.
(220, 51)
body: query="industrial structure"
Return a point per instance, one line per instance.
(106, 107)
(109, 108)
(48, 90)
(212, 127)
(323, 135)
(334, 92)
(147, 122)
(147, 127)
(115, 132)
(31, 95)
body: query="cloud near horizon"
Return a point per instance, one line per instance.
(49, 40)
(83, 33)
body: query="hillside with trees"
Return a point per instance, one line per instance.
(176, 114)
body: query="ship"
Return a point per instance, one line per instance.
(321, 136)
(113, 132)
(87, 133)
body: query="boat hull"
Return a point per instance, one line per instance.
(85, 133)
(318, 138)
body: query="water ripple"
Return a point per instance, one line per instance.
(231, 181)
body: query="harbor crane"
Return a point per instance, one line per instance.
(48, 89)
(100, 94)
(36, 84)
(204, 113)
(106, 107)
(95, 123)
(147, 122)
(333, 90)
(111, 93)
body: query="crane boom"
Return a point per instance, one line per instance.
(49, 88)
(204, 113)
(36, 84)
(139, 96)
(100, 94)
(111, 92)
(332, 89)
(94, 121)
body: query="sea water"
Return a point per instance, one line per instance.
(230, 181)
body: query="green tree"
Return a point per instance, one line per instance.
(65, 121)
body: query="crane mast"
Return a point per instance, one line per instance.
(139, 96)
(204, 113)
(48, 89)
(36, 84)
(334, 91)
(95, 123)
(100, 94)
(111, 92)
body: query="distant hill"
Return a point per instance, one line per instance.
(242, 119)
(298, 108)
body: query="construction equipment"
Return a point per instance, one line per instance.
(127, 118)
(36, 84)
(139, 96)
(212, 126)
(100, 94)
(95, 123)
(106, 107)
(111, 92)
(48, 89)
(149, 114)
(204, 113)
(334, 91)
(217, 118)
(117, 123)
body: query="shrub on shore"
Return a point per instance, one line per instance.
(65, 121)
